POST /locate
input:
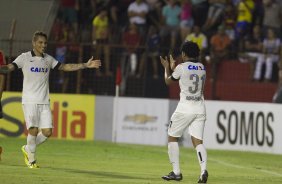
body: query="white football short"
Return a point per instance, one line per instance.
(195, 123)
(37, 115)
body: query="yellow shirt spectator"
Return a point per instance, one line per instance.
(200, 39)
(100, 26)
(245, 9)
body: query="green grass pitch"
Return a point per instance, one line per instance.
(96, 162)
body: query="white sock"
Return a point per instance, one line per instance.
(40, 138)
(202, 156)
(31, 147)
(173, 153)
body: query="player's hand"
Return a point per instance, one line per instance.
(91, 63)
(164, 62)
(172, 62)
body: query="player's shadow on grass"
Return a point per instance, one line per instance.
(99, 173)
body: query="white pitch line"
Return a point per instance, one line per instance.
(243, 167)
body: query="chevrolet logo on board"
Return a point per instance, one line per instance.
(140, 118)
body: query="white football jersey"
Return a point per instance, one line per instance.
(36, 72)
(191, 78)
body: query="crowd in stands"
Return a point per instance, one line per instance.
(142, 30)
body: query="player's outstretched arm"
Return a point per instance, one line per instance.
(167, 73)
(7, 68)
(172, 62)
(91, 63)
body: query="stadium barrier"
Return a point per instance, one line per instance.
(230, 125)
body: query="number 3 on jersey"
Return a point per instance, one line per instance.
(197, 81)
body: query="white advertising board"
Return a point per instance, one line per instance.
(244, 126)
(141, 121)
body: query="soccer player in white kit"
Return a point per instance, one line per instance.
(190, 113)
(36, 66)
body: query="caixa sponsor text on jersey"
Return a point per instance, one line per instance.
(37, 69)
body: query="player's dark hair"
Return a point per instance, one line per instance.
(37, 34)
(190, 49)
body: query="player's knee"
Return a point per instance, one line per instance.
(196, 141)
(33, 131)
(47, 132)
(172, 139)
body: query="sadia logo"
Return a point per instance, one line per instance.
(73, 116)
(68, 124)
(140, 118)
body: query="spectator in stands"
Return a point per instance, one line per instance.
(155, 12)
(253, 44)
(100, 39)
(216, 9)
(60, 55)
(61, 50)
(200, 38)
(258, 12)
(220, 44)
(72, 54)
(244, 20)
(171, 21)
(271, 51)
(152, 51)
(131, 40)
(200, 11)
(229, 20)
(137, 13)
(36, 66)
(122, 12)
(186, 19)
(114, 26)
(220, 50)
(2, 80)
(85, 12)
(69, 10)
(57, 29)
(272, 17)
(73, 46)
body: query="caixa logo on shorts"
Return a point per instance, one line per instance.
(37, 69)
(193, 67)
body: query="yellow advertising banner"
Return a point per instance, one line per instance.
(73, 116)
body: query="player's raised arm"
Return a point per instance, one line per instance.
(7, 68)
(167, 73)
(91, 63)
(172, 62)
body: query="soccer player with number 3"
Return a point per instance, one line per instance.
(190, 112)
(36, 66)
